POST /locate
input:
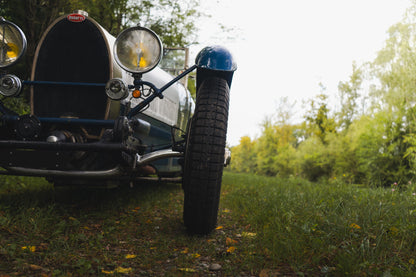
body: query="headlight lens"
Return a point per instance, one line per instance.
(10, 85)
(138, 50)
(116, 89)
(12, 43)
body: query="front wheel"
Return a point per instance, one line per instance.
(204, 156)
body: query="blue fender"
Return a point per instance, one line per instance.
(215, 61)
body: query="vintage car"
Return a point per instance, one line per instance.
(104, 113)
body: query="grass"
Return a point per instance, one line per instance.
(267, 226)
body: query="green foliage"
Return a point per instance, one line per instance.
(244, 156)
(349, 96)
(318, 122)
(370, 139)
(315, 159)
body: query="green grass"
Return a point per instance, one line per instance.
(266, 226)
(328, 228)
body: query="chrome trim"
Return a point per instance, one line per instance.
(157, 155)
(102, 174)
(227, 157)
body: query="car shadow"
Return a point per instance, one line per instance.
(80, 198)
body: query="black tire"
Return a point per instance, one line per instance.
(204, 156)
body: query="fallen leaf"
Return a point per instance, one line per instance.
(219, 228)
(123, 270)
(30, 248)
(196, 255)
(230, 241)
(248, 234)
(107, 271)
(130, 256)
(264, 273)
(231, 249)
(185, 269)
(35, 267)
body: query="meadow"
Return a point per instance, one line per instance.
(267, 227)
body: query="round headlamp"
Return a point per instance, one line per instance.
(10, 85)
(116, 89)
(138, 50)
(12, 43)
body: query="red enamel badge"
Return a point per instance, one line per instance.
(75, 17)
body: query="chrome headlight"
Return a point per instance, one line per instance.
(12, 43)
(138, 50)
(10, 85)
(116, 89)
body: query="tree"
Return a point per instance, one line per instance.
(173, 20)
(33, 16)
(244, 156)
(317, 120)
(349, 96)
